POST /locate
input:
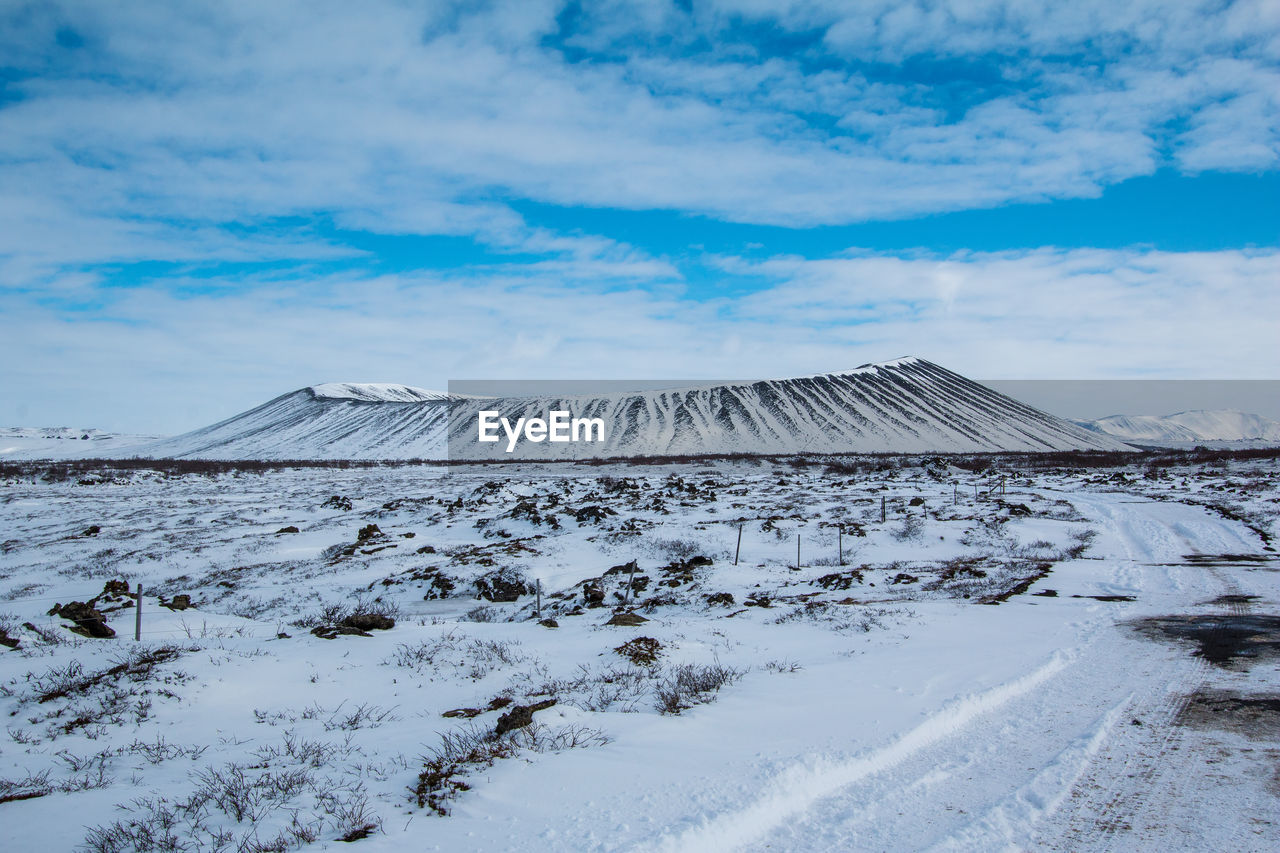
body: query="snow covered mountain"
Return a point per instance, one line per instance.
(1193, 426)
(330, 421)
(65, 443)
(907, 405)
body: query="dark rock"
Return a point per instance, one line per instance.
(916, 501)
(89, 621)
(499, 587)
(721, 599)
(520, 716)
(290, 529)
(441, 587)
(91, 530)
(329, 632)
(840, 580)
(338, 502)
(181, 601)
(682, 571)
(427, 549)
(641, 651)
(6, 640)
(369, 622)
(903, 577)
(624, 569)
(627, 620)
(592, 514)
(114, 591)
(368, 532)
(464, 713)
(549, 623)
(593, 594)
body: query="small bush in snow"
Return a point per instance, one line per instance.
(481, 614)
(912, 528)
(691, 684)
(455, 651)
(782, 666)
(470, 748)
(641, 651)
(363, 716)
(1080, 542)
(680, 549)
(349, 613)
(235, 807)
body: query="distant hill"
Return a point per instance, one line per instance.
(65, 442)
(1188, 427)
(903, 406)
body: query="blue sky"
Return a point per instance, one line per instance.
(202, 206)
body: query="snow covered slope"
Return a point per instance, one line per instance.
(907, 405)
(1194, 426)
(331, 421)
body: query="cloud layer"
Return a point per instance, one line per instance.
(146, 126)
(154, 361)
(180, 183)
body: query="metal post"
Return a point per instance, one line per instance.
(840, 540)
(882, 509)
(631, 578)
(955, 493)
(738, 550)
(539, 596)
(137, 615)
(797, 550)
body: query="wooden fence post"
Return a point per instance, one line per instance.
(137, 615)
(738, 550)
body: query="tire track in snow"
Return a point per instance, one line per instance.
(1118, 802)
(801, 786)
(1120, 785)
(1008, 824)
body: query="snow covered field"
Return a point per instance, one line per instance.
(1072, 659)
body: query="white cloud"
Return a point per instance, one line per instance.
(149, 360)
(407, 119)
(191, 132)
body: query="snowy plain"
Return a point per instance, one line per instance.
(1013, 658)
